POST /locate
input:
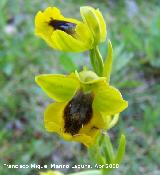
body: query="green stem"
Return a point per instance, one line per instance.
(105, 171)
(96, 61)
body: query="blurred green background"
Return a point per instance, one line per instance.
(134, 29)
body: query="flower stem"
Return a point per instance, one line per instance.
(96, 61)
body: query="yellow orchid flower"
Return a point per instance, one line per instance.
(84, 105)
(51, 173)
(61, 33)
(94, 19)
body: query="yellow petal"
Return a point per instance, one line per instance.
(67, 42)
(52, 12)
(41, 27)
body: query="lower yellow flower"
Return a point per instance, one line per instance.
(84, 105)
(51, 173)
(65, 34)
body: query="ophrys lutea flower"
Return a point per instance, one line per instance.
(69, 34)
(61, 33)
(84, 105)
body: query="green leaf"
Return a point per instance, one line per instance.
(108, 62)
(121, 149)
(96, 61)
(108, 149)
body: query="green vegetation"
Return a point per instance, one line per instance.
(133, 28)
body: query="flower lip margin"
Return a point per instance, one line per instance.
(55, 123)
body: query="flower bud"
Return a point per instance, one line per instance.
(95, 21)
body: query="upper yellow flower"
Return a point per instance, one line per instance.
(84, 105)
(65, 34)
(68, 34)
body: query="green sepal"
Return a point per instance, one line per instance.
(58, 87)
(109, 100)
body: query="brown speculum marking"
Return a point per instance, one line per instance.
(78, 112)
(65, 26)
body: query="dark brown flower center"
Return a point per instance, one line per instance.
(65, 26)
(78, 112)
